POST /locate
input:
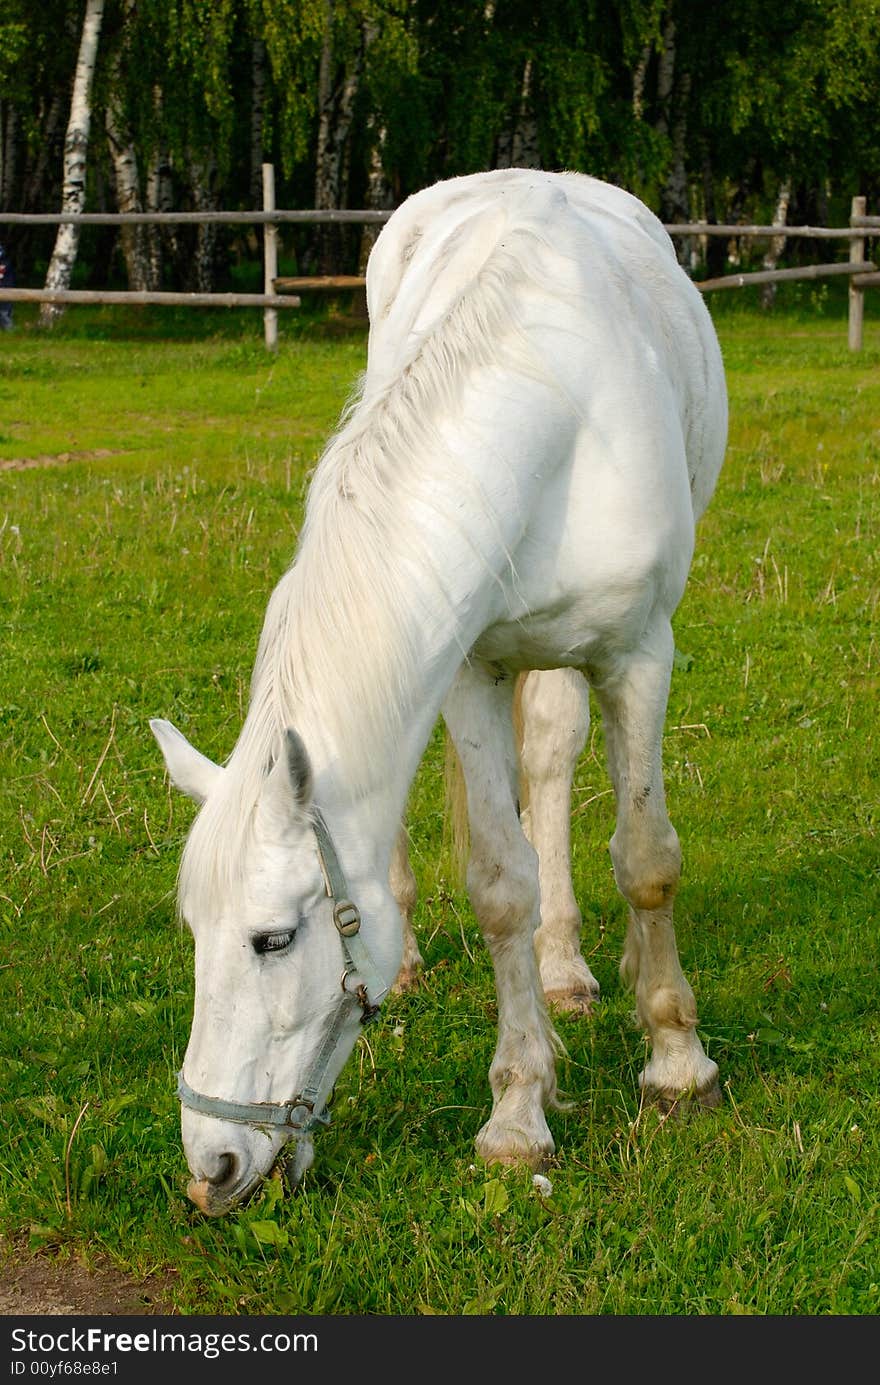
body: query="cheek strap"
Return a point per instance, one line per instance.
(298, 1117)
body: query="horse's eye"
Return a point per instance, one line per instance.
(273, 942)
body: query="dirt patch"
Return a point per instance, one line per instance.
(37, 1285)
(57, 458)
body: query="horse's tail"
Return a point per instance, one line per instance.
(455, 818)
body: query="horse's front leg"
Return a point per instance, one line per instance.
(502, 882)
(403, 887)
(556, 718)
(646, 857)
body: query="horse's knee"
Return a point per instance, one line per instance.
(505, 895)
(647, 867)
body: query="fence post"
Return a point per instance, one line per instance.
(270, 258)
(856, 295)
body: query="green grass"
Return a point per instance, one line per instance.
(133, 580)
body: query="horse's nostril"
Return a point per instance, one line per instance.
(227, 1167)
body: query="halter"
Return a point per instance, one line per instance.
(298, 1116)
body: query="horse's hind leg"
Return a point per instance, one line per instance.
(647, 862)
(502, 882)
(556, 719)
(403, 887)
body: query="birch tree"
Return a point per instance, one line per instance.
(673, 90)
(339, 77)
(777, 243)
(126, 175)
(159, 197)
(76, 145)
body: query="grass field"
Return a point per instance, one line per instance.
(152, 472)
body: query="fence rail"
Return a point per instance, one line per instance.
(775, 276)
(192, 218)
(861, 227)
(283, 292)
(867, 227)
(145, 298)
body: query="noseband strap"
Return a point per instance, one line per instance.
(298, 1116)
(295, 1116)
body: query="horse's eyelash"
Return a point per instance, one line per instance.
(273, 942)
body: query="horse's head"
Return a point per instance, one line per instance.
(283, 977)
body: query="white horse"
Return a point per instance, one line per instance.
(540, 425)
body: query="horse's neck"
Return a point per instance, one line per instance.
(405, 557)
(363, 763)
(367, 773)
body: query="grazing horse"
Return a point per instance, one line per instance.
(541, 422)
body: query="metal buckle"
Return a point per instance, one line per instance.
(369, 1012)
(299, 1104)
(313, 1118)
(347, 917)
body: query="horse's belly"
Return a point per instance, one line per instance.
(578, 633)
(579, 594)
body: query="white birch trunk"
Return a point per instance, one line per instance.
(517, 146)
(639, 75)
(126, 175)
(335, 111)
(666, 76)
(323, 188)
(75, 148)
(328, 185)
(128, 199)
(159, 198)
(203, 178)
(675, 199)
(380, 195)
(673, 124)
(526, 151)
(777, 243)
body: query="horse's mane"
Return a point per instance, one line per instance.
(349, 620)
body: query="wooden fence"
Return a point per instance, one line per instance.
(281, 292)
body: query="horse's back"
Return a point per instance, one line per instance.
(618, 312)
(427, 235)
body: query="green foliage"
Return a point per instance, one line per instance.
(13, 46)
(754, 95)
(292, 31)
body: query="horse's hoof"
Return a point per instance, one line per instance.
(534, 1160)
(676, 1103)
(710, 1098)
(514, 1148)
(408, 979)
(580, 1002)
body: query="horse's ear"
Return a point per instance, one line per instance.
(190, 771)
(299, 768)
(288, 789)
